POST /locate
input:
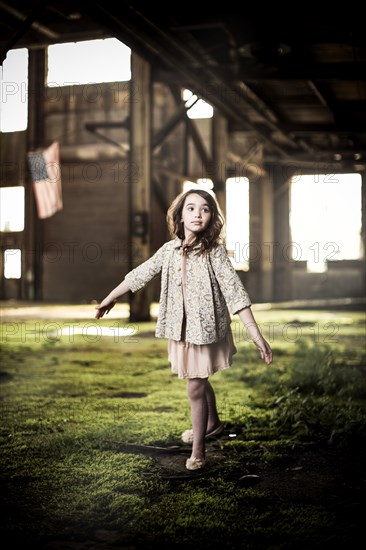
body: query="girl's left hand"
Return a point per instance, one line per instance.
(265, 351)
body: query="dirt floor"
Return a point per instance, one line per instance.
(310, 474)
(314, 477)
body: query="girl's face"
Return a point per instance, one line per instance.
(196, 215)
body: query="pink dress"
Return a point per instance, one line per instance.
(199, 361)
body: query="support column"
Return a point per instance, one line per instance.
(363, 227)
(267, 264)
(220, 142)
(140, 179)
(282, 238)
(32, 262)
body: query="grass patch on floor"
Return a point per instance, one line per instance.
(80, 413)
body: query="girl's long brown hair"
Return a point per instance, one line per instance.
(211, 236)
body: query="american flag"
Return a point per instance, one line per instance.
(45, 169)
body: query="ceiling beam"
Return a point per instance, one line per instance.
(139, 32)
(254, 72)
(341, 127)
(26, 23)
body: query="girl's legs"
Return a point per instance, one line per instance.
(199, 413)
(204, 413)
(213, 420)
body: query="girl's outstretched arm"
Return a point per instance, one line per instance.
(247, 318)
(109, 301)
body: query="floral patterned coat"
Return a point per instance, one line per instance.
(213, 291)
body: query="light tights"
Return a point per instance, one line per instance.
(203, 412)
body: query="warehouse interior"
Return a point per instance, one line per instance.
(288, 96)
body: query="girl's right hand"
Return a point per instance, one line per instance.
(104, 307)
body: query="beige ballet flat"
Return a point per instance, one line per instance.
(187, 436)
(195, 463)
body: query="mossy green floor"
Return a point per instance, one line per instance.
(91, 452)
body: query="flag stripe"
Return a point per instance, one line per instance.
(46, 175)
(43, 196)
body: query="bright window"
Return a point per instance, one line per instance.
(205, 184)
(14, 91)
(12, 263)
(325, 219)
(237, 222)
(87, 62)
(12, 208)
(200, 109)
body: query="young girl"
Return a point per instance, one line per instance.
(199, 290)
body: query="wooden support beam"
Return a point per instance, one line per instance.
(33, 233)
(26, 23)
(282, 281)
(172, 123)
(210, 169)
(140, 181)
(219, 152)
